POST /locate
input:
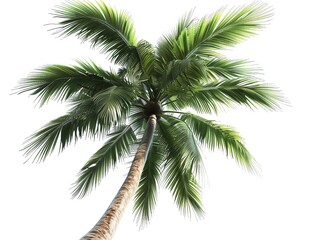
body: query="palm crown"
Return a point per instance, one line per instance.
(182, 75)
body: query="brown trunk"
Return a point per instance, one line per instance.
(106, 226)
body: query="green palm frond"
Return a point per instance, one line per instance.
(167, 43)
(250, 93)
(227, 28)
(214, 135)
(218, 31)
(211, 97)
(180, 76)
(188, 71)
(181, 143)
(147, 57)
(145, 197)
(60, 82)
(110, 30)
(114, 103)
(219, 69)
(115, 149)
(44, 141)
(82, 120)
(184, 188)
(182, 164)
(91, 68)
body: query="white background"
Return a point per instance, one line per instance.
(281, 203)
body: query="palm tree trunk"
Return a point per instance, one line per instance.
(106, 226)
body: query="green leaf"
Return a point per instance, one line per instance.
(167, 43)
(214, 32)
(182, 163)
(221, 69)
(147, 57)
(214, 135)
(226, 28)
(115, 102)
(60, 82)
(145, 197)
(116, 148)
(184, 187)
(247, 92)
(180, 77)
(186, 72)
(106, 28)
(82, 120)
(181, 142)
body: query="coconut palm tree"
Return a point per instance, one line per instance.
(149, 103)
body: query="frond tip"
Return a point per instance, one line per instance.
(214, 135)
(252, 93)
(145, 197)
(105, 27)
(223, 29)
(60, 82)
(115, 149)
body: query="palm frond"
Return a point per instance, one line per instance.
(184, 188)
(82, 120)
(44, 141)
(219, 69)
(180, 76)
(187, 71)
(60, 82)
(147, 57)
(214, 135)
(167, 43)
(89, 67)
(114, 103)
(115, 149)
(182, 163)
(218, 31)
(227, 28)
(105, 27)
(251, 93)
(145, 197)
(181, 143)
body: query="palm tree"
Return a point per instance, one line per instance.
(150, 103)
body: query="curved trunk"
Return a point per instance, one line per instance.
(106, 226)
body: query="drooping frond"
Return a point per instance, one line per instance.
(110, 30)
(221, 30)
(145, 197)
(181, 142)
(82, 120)
(115, 149)
(214, 135)
(60, 82)
(44, 141)
(186, 190)
(182, 163)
